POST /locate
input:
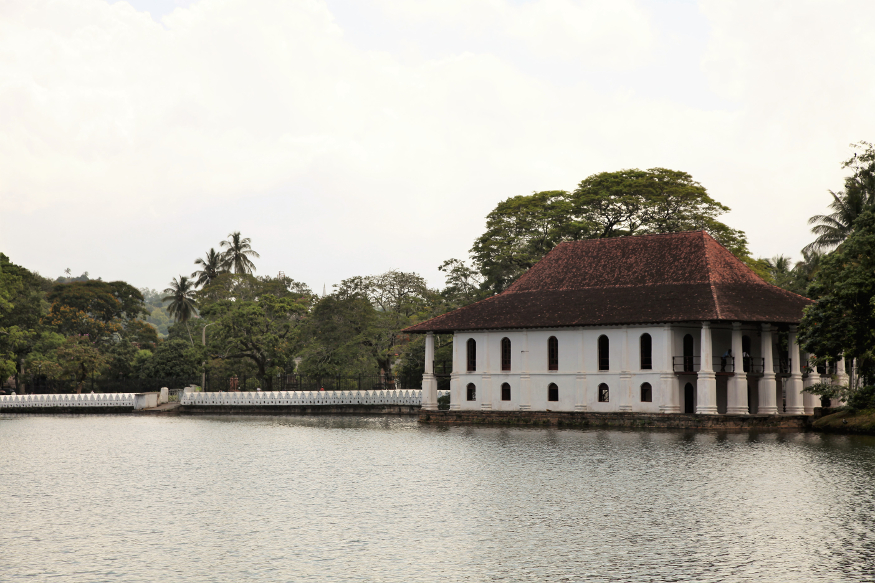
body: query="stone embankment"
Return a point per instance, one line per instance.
(859, 422)
(585, 419)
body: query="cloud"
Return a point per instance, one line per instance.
(339, 158)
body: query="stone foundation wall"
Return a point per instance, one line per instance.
(633, 420)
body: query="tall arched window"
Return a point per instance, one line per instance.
(646, 352)
(472, 392)
(688, 353)
(505, 392)
(604, 353)
(472, 355)
(505, 354)
(552, 392)
(646, 393)
(552, 353)
(604, 393)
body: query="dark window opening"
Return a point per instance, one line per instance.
(604, 393)
(472, 392)
(646, 352)
(505, 354)
(552, 353)
(688, 353)
(604, 353)
(745, 353)
(472, 355)
(505, 392)
(552, 392)
(646, 393)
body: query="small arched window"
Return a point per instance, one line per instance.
(505, 354)
(472, 392)
(472, 355)
(505, 392)
(646, 393)
(552, 392)
(552, 353)
(646, 352)
(604, 393)
(604, 353)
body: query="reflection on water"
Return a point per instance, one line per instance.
(382, 499)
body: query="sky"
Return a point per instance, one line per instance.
(350, 137)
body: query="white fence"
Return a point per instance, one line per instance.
(393, 397)
(84, 400)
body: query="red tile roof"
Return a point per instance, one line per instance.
(677, 277)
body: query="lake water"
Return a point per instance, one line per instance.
(123, 498)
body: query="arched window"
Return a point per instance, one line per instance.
(604, 353)
(505, 354)
(604, 393)
(552, 392)
(505, 392)
(472, 392)
(472, 355)
(646, 393)
(552, 353)
(688, 353)
(646, 352)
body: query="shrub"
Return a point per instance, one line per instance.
(862, 398)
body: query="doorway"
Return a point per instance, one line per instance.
(689, 398)
(688, 353)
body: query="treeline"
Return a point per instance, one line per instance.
(224, 319)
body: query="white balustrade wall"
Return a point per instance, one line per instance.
(84, 400)
(395, 397)
(379, 397)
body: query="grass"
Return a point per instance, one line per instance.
(847, 421)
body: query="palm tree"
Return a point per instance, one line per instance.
(210, 270)
(181, 298)
(236, 256)
(833, 229)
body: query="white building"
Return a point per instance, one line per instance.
(653, 324)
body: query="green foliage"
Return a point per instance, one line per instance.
(80, 358)
(237, 252)
(174, 358)
(842, 320)
(522, 229)
(863, 398)
(211, 268)
(181, 297)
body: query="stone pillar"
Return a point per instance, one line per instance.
(429, 382)
(767, 385)
(580, 377)
(809, 401)
(736, 398)
(706, 382)
(486, 378)
(525, 379)
(794, 383)
(841, 379)
(626, 401)
(668, 385)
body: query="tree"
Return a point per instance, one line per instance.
(463, 283)
(848, 204)
(256, 319)
(94, 308)
(841, 322)
(236, 256)
(79, 358)
(211, 268)
(174, 358)
(181, 297)
(522, 229)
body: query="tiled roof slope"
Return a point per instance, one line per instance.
(674, 277)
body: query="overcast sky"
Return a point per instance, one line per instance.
(349, 137)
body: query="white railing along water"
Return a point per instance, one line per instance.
(65, 400)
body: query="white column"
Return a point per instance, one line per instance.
(706, 382)
(736, 398)
(429, 383)
(580, 377)
(841, 379)
(456, 395)
(767, 385)
(525, 379)
(794, 383)
(625, 376)
(668, 383)
(486, 377)
(809, 401)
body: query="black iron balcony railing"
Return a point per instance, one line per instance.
(694, 363)
(781, 365)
